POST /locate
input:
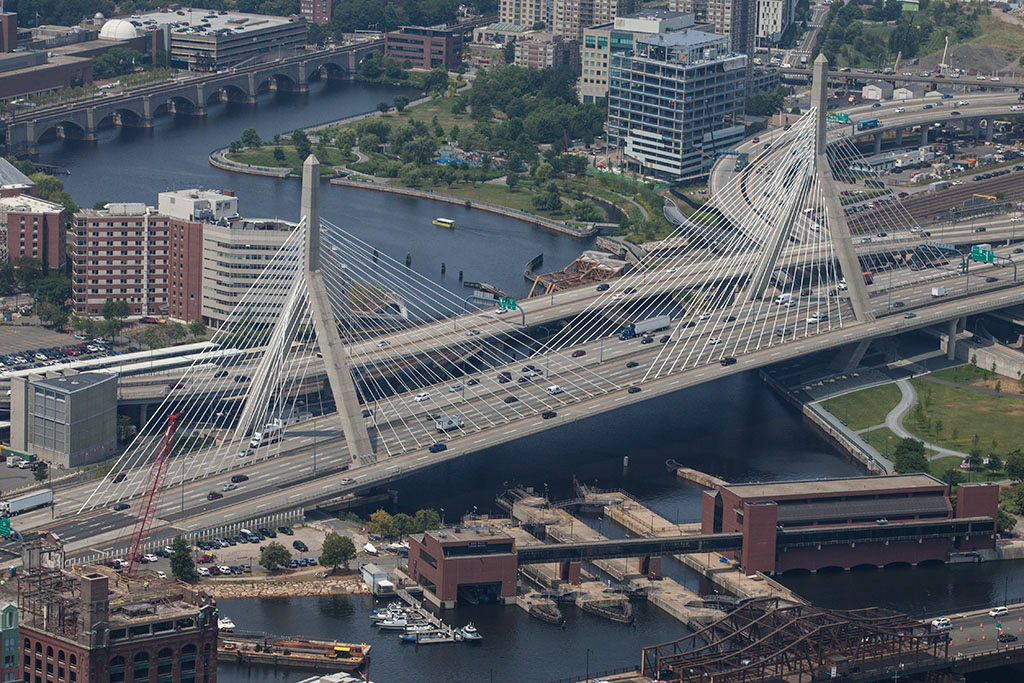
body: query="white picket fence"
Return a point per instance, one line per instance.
(271, 521)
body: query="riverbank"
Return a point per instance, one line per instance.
(350, 584)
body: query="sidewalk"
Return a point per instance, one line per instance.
(894, 421)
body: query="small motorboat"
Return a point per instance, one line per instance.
(225, 624)
(469, 633)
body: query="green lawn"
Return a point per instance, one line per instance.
(264, 156)
(497, 194)
(997, 421)
(439, 107)
(883, 439)
(961, 374)
(939, 467)
(864, 408)
(997, 33)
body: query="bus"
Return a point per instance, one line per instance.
(868, 124)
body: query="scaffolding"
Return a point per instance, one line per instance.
(49, 600)
(769, 639)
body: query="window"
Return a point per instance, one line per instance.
(116, 670)
(141, 672)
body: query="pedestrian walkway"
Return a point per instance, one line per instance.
(894, 421)
(967, 387)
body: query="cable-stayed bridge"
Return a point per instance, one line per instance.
(339, 342)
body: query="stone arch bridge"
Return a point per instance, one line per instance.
(82, 120)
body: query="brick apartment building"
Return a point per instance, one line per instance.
(316, 11)
(425, 48)
(35, 228)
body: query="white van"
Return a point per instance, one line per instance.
(784, 299)
(554, 389)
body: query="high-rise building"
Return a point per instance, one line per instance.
(35, 228)
(736, 19)
(619, 36)
(543, 49)
(773, 18)
(672, 102)
(524, 12)
(316, 11)
(571, 17)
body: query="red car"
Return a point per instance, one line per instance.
(206, 559)
(578, 354)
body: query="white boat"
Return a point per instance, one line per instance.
(469, 632)
(399, 624)
(370, 549)
(225, 624)
(419, 628)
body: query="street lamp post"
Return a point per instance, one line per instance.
(314, 448)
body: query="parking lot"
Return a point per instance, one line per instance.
(15, 338)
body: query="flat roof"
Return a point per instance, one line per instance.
(853, 485)
(28, 203)
(462, 534)
(74, 382)
(209, 20)
(687, 37)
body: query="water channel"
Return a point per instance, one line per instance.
(735, 428)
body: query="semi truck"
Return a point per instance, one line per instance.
(26, 502)
(650, 325)
(268, 435)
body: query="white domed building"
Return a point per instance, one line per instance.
(118, 29)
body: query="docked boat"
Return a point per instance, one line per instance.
(444, 223)
(469, 633)
(399, 624)
(419, 628)
(225, 624)
(427, 638)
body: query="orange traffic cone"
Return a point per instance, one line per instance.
(983, 636)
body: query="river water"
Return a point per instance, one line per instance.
(734, 428)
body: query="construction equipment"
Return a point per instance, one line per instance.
(942, 65)
(157, 470)
(896, 67)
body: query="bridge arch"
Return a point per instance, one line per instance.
(121, 116)
(898, 565)
(328, 70)
(65, 128)
(277, 81)
(229, 92)
(172, 104)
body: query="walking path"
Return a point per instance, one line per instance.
(894, 421)
(966, 387)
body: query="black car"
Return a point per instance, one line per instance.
(239, 379)
(269, 533)
(603, 287)
(689, 323)
(511, 399)
(1007, 638)
(1018, 251)
(991, 279)
(629, 290)
(287, 531)
(221, 373)
(120, 506)
(728, 360)
(300, 546)
(548, 414)
(214, 495)
(664, 339)
(472, 382)
(632, 364)
(438, 447)
(523, 379)
(647, 340)
(118, 478)
(161, 552)
(367, 412)
(898, 304)
(728, 319)
(238, 478)
(633, 390)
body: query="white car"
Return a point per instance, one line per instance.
(455, 388)
(228, 487)
(1016, 107)
(202, 571)
(963, 103)
(900, 110)
(383, 342)
(958, 182)
(617, 297)
(941, 624)
(420, 398)
(150, 557)
(704, 316)
(811, 320)
(714, 340)
(345, 481)
(472, 333)
(161, 574)
(998, 612)
(994, 78)
(224, 569)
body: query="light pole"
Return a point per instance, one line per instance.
(314, 448)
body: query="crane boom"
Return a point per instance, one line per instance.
(151, 496)
(942, 65)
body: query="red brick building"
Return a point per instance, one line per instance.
(425, 48)
(71, 633)
(35, 228)
(316, 11)
(759, 511)
(478, 563)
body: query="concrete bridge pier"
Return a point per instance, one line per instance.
(147, 113)
(951, 339)
(899, 137)
(251, 94)
(848, 357)
(878, 142)
(961, 324)
(924, 134)
(977, 128)
(990, 130)
(200, 109)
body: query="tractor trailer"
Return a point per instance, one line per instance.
(650, 325)
(26, 502)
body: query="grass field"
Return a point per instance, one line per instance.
(864, 408)
(883, 439)
(961, 374)
(995, 33)
(969, 419)
(439, 107)
(500, 195)
(264, 156)
(939, 467)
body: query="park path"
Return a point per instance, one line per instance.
(967, 387)
(894, 420)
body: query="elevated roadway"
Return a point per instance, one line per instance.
(863, 76)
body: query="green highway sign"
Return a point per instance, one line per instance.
(5, 527)
(841, 118)
(983, 255)
(508, 303)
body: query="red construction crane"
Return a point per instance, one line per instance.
(152, 494)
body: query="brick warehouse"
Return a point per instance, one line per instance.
(453, 561)
(759, 511)
(75, 629)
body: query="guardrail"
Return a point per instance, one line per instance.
(274, 520)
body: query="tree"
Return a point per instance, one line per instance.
(125, 429)
(402, 525)
(383, 107)
(509, 51)
(51, 316)
(175, 331)
(183, 567)
(275, 556)
(115, 62)
(250, 138)
(401, 102)
(197, 328)
(380, 522)
(1006, 521)
(427, 519)
(337, 550)
(28, 270)
(109, 329)
(302, 145)
(41, 473)
(909, 456)
(115, 309)
(512, 179)
(1015, 466)
(235, 147)
(278, 154)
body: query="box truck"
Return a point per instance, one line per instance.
(26, 502)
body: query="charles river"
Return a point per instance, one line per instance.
(735, 428)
